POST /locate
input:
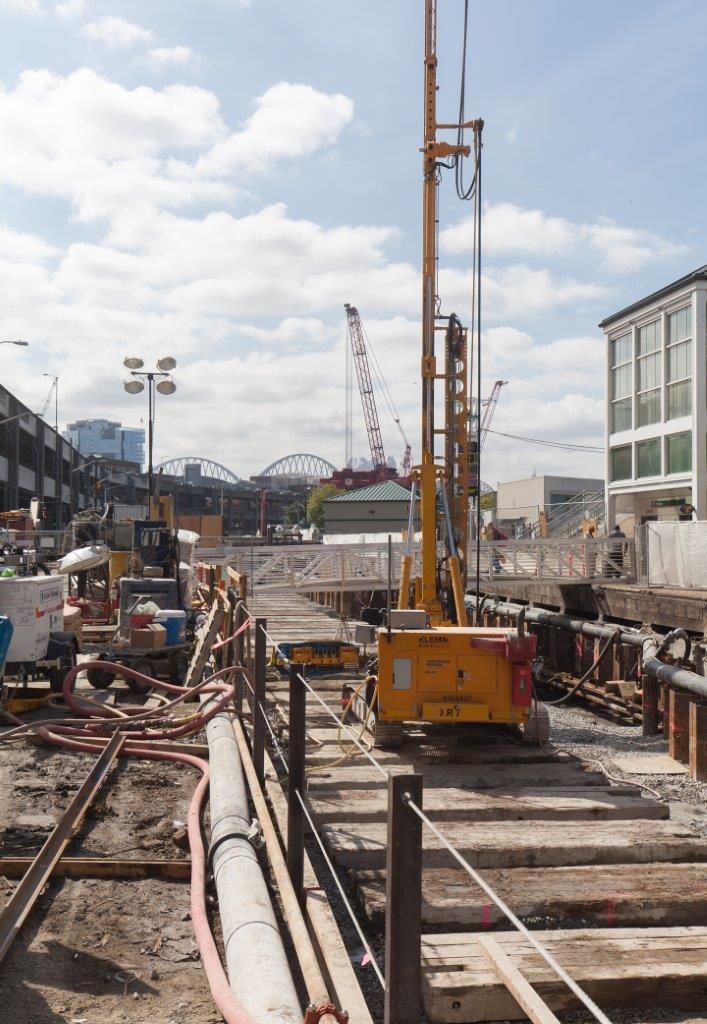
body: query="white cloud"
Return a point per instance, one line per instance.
(116, 32)
(511, 230)
(290, 120)
(115, 150)
(250, 300)
(71, 8)
(169, 56)
(22, 6)
(516, 291)
(293, 329)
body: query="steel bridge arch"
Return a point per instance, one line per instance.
(210, 470)
(300, 464)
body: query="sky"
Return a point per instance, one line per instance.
(214, 180)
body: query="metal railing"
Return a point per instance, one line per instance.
(359, 567)
(575, 560)
(565, 519)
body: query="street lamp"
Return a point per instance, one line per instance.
(157, 380)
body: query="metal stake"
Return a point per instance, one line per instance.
(258, 705)
(296, 781)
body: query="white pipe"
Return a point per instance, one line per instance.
(256, 962)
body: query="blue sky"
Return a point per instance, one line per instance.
(215, 180)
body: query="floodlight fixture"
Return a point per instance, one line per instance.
(166, 363)
(133, 386)
(133, 363)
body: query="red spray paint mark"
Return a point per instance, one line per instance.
(610, 912)
(486, 915)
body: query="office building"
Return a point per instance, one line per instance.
(109, 438)
(656, 424)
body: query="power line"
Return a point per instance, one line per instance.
(566, 445)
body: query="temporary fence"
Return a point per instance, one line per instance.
(672, 554)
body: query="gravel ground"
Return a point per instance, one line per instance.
(586, 735)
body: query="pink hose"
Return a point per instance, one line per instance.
(229, 1007)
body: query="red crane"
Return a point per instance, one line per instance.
(363, 375)
(359, 350)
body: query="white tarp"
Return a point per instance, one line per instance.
(677, 554)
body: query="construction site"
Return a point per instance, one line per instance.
(365, 739)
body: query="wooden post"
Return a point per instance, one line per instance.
(678, 735)
(258, 701)
(296, 781)
(697, 728)
(651, 696)
(403, 912)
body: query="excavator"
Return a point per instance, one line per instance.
(433, 666)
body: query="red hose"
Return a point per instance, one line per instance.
(229, 1007)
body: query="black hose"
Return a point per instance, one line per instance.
(592, 668)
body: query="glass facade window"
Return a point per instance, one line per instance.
(679, 363)
(648, 457)
(680, 325)
(621, 383)
(679, 399)
(678, 449)
(621, 350)
(649, 408)
(649, 338)
(621, 463)
(621, 418)
(649, 374)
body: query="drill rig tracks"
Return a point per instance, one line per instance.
(615, 890)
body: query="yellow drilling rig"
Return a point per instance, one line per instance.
(432, 665)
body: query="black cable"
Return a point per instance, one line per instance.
(569, 445)
(583, 679)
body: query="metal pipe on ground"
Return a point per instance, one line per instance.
(256, 962)
(649, 643)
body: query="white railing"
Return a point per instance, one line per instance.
(360, 567)
(571, 560)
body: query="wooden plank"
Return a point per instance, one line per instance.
(336, 962)
(597, 895)
(413, 751)
(471, 778)
(454, 804)
(205, 639)
(519, 844)
(524, 994)
(616, 967)
(102, 867)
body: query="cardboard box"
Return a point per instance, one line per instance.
(152, 637)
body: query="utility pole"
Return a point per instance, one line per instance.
(58, 461)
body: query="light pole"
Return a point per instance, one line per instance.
(59, 495)
(157, 380)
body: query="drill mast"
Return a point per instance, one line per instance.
(453, 474)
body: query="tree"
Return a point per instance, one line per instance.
(293, 513)
(488, 502)
(315, 503)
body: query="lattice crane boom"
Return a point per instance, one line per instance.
(365, 387)
(490, 409)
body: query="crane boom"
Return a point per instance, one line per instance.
(365, 387)
(490, 409)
